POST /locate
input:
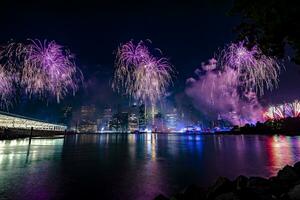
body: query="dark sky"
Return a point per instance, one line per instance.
(187, 33)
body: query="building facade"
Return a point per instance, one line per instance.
(8, 120)
(87, 123)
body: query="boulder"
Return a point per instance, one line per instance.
(278, 187)
(222, 185)
(294, 193)
(288, 173)
(259, 183)
(241, 182)
(194, 192)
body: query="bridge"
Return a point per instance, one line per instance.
(12, 121)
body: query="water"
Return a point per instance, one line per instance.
(134, 166)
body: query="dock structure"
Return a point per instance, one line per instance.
(13, 121)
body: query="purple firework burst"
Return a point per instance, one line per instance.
(49, 70)
(140, 74)
(6, 88)
(255, 70)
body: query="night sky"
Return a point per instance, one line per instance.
(187, 33)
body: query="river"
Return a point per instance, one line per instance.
(116, 166)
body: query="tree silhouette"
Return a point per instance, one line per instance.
(270, 23)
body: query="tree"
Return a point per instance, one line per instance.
(270, 23)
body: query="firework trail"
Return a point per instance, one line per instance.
(6, 88)
(255, 70)
(283, 111)
(294, 109)
(270, 113)
(49, 70)
(139, 74)
(37, 68)
(11, 61)
(12, 57)
(276, 112)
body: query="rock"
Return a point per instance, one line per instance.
(251, 194)
(257, 188)
(288, 173)
(294, 193)
(259, 183)
(241, 182)
(278, 187)
(194, 192)
(228, 196)
(161, 197)
(222, 185)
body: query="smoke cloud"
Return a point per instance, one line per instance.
(216, 93)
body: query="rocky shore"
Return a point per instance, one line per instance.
(284, 186)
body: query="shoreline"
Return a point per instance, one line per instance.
(12, 134)
(21, 134)
(284, 186)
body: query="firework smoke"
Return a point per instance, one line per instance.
(216, 93)
(229, 86)
(141, 75)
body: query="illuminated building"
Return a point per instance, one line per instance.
(171, 120)
(87, 122)
(133, 122)
(158, 125)
(142, 117)
(8, 120)
(104, 122)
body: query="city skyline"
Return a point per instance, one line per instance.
(150, 100)
(97, 63)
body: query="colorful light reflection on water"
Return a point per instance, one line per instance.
(116, 166)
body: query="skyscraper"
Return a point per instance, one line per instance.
(87, 123)
(142, 117)
(171, 120)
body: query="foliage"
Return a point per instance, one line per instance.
(270, 23)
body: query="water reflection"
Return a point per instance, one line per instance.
(282, 150)
(27, 169)
(121, 166)
(14, 153)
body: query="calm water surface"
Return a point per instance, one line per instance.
(134, 166)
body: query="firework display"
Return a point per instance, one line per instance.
(139, 74)
(49, 69)
(37, 68)
(12, 57)
(255, 70)
(283, 111)
(230, 84)
(6, 87)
